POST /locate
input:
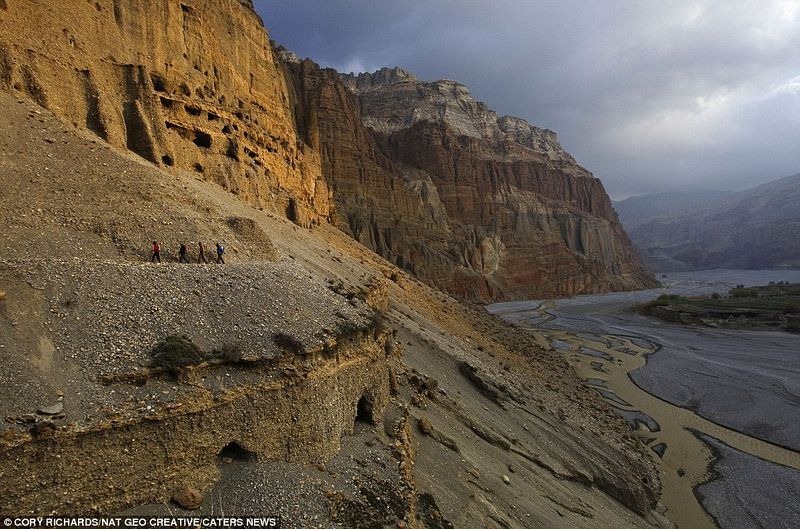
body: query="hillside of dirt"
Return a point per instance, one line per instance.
(341, 389)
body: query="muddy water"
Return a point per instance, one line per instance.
(690, 391)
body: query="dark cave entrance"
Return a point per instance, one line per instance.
(364, 410)
(201, 139)
(235, 452)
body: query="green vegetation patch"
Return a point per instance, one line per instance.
(177, 351)
(743, 307)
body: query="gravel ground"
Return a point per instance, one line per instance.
(104, 317)
(750, 493)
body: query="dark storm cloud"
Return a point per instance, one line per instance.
(649, 95)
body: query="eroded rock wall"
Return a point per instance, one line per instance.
(550, 224)
(190, 84)
(289, 418)
(395, 213)
(483, 207)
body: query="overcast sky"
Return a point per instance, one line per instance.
(648, 95)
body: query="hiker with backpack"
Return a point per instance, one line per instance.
(183, 256)
(201, 252)
(156, 249)
(220, 252)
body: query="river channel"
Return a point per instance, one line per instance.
(718, 408)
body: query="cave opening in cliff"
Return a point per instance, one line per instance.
(201, 139)
(168, 161)
(159, 84)
(235, 452)
(364, 410)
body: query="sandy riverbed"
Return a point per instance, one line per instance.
(699, 397)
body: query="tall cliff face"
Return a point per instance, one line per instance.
(191, 85)
(483, 207)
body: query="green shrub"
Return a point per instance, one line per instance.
(715, 295)
(176, 351)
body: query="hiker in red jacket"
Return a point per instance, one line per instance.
(156, 252)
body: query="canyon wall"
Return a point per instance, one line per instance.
(482, 207)
(190, 85)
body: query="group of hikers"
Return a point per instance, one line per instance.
(183, 253)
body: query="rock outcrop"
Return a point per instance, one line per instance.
(483, 207)
(316, 354)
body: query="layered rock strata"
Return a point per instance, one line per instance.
(152, 432)
(483, 207)
(90, 423)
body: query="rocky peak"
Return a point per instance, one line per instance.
(393, 100)
(285, 55)
(520, 131)
(383, 77)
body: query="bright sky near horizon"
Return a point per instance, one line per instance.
(650, 96)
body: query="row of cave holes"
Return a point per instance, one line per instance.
(194, 111)
(236, 452)
(159, 85)
(203, 139)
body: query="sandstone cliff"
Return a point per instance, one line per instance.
(364, 395)
(483, 207)
(346, 393)
(186, 85)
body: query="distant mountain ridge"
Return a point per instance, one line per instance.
(638, 210)
(754, 229)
